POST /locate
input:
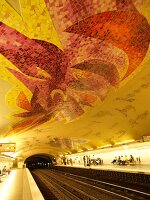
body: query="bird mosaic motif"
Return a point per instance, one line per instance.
(63, 82)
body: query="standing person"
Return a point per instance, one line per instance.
(139, 160)
(84, 161)
(71, 162)
(8, 170)
(89, 161)
(4, 170)
(131, 159)
(100, 161)
(64, 161)
(67, 161)
(119, 160)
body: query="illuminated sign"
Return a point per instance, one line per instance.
(146, 138)
(7, 147)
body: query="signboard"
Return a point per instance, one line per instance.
(7, 147)
(146, 138)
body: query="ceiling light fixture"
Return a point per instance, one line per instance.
(127, 141)
(90, 149)
(80, 151)
(108, 145)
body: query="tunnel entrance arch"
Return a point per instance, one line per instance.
(38, 161)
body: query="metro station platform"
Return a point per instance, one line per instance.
(19, 185)
(137, 168)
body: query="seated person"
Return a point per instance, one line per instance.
(119, 160)
(122, 161)
(5, 170)
(126, 159)
(114, 160)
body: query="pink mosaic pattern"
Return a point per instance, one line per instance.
(95, 44)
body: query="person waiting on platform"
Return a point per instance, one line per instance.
(122, 161)
(88, 161)
(64, 161)
(93, 160)
(99, 161)
(131, 159)
(84, 160)
(126, 160)
(119, 160)
(71, 162)
(4, 170)
(114, 160)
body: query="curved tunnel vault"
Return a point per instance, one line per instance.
(65, 93)
(40, 161)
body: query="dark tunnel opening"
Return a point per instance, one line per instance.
(40, 161)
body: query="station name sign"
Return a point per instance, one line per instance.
(7, 147)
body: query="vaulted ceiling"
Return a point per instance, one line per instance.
(73, 75)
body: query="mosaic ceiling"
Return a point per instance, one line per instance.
(70, 72)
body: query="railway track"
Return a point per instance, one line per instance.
(65, 186)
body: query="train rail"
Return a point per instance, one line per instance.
(114, 187)
(73, 187)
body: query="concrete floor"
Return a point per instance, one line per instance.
(11, 186)
(19, 185)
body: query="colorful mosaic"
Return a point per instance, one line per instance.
(68, 55)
